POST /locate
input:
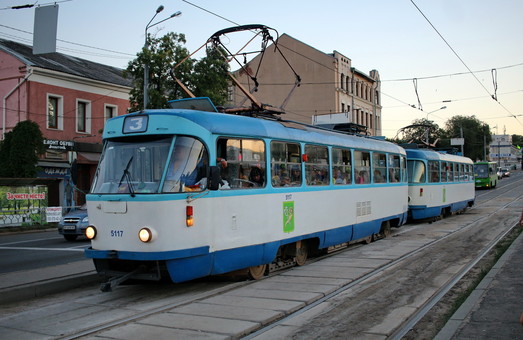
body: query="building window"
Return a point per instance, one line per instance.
(83, 116)
(342, 81)
(54, 112)
(342, 107)
(110, 112)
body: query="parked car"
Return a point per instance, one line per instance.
(74, 223)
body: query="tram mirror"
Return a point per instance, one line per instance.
(214, 178)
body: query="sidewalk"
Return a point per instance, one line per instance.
(493, 309)
(26, 284)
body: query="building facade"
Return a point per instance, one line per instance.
(503, 152)
(70, 99)
(331, 89)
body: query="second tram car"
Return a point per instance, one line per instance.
(193, 193)
(439, 183)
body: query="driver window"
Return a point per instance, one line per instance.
(244, 166)
(187, 169)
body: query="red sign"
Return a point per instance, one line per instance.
(22, 196)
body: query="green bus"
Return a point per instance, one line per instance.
(485, 175)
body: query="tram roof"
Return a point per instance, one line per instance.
(436, 155)
(236, 125)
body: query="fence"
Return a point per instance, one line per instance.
(23, 217)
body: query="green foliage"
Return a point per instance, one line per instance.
(421, 131)
(210, 77)
(473, 131)
(206, 77)
(20, 149)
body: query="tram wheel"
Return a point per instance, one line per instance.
(301, 253)
(385, 229)
(367, 240)
(257, 272)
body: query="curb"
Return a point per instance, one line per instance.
(39, 289)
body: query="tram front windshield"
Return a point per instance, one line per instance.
(138, 166)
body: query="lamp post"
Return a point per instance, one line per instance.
(146, 47)
(427, 132)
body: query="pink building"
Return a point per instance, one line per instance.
(70, 99)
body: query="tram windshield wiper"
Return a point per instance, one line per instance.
(127, 175)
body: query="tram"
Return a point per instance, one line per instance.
(439, 183)
(187, 193)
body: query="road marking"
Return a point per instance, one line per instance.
(37, 248)
(34, 240)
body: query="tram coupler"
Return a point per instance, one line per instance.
(115, 281)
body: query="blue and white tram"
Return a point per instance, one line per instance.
(439, 183)
(196, 193)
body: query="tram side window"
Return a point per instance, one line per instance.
(245, 163)
(433, 171)
(444, 171)
(462, 174)
(285, 164)
(394, 168)
(379, 165)
(361, 167)
(341, 166)
(416, 171)
(403, 167)
(317, 165)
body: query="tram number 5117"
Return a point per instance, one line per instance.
(116, 233)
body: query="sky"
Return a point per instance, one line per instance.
(430, 54)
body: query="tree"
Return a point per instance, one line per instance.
(421, 131)
(203, 78)
(20, 149)
(475, 132)
(210, 76)
(517, 140)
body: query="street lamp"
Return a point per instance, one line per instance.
(427, 132)
(441, 108)
(146, 47)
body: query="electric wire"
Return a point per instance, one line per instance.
(463, 62)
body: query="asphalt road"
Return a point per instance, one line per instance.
(38, 249)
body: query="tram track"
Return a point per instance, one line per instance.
(436, 235)
(337, 293)
(425, 308)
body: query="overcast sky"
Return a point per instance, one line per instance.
(391, 36)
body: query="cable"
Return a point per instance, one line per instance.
(451, 74)
(72, 43)
(466, 66)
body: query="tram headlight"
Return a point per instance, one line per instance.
(90, 232)
(145, 235)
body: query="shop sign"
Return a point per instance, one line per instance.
(53, 144)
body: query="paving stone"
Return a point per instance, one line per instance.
(262, 316)
(231, 327)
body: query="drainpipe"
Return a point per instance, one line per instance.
(4, 109)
